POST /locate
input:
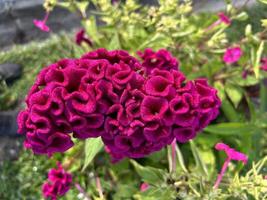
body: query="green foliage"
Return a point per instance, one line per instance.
(92, 147)
(149, 174)
(33, 58)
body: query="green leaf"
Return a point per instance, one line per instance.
(263, 97)
(257, 60)
(249, 81)
(227, 107)
(150, 175)
(66, 5)
(263, 1)
(180, 158)
(115, 42)
(242, 16)
(251, 108)
(231, 128)
(229, 111)
(162, 193)
(158, 38)
(248, 30)
(92, 147)
(184, 33)
(264, 23)
(91, 28)
(82, 6)
(125, 191)
(199, 162)
(234, 93)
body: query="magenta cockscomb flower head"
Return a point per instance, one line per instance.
(232, 55)
(224, 18)
(41, 24)
(144, 187)
(264, 64)
(232, 154)
(161, 59)
(106, 94)
(80, 37)
(58, 183)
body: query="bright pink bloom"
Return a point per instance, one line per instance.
(41, 24)
(232, 55)
(264, 64)
(224, 18)
(232, 154)
(58, 183)
(144, 187)
(80, 37)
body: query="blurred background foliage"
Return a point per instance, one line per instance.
(132, 26)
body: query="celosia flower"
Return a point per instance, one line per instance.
(232, 55)
(232, 154)
(41, 24)
(80, 37)
(106, 94)
(224, 18)
(144, 187)
(58, 183)
(264, 64)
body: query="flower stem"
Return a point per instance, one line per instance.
(223, 170)
(216, 23)
(173, 155)
(99, 187)
(46, 17)
(81, 190)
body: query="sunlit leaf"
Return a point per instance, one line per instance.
(234, 93)
(150, 175)
(257, 60)
(199, 162)
(92, 147)
(231, 128)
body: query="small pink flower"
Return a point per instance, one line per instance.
(58, 183)
(224, 18)
(264, 64)
(41, 24)
(80, 37)
(144, 187)
(232, 154)
(232, 55)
